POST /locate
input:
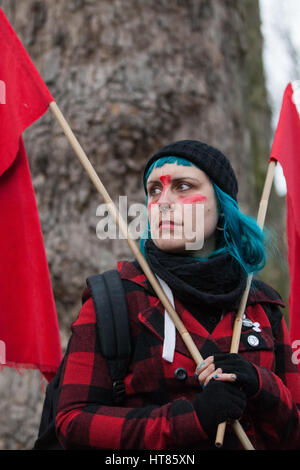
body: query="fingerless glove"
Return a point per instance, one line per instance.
(246, 374)
(218, 402)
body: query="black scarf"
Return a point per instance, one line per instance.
(210, 286)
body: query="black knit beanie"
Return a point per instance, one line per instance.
(207, 158)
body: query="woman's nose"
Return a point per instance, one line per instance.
(165, 196)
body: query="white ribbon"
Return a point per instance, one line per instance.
(169, 327)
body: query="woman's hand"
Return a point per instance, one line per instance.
(208, 370)
(219, 402)
(227, 367)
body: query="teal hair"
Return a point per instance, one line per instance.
(240, 236)
(163, 161)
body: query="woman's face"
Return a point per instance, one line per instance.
(182, 209)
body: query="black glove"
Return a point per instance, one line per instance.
(218, 402)
(246, 374)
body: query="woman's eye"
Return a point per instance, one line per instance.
(184, 186)
(154, 191)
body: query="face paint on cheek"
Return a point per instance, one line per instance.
(150, 204)
(192, 199)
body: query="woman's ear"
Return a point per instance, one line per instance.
(220, 224)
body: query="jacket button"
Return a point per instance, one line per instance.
(213, 319)
(180, 373)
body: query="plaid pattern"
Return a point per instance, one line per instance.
(159, 410)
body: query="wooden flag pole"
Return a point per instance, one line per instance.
(237, 329)
(187, 339)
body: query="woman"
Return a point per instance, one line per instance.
(169, 404)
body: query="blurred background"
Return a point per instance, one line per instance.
(131, 76)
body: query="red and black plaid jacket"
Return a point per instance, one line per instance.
(158, 412)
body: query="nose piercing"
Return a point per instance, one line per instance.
(164, 207)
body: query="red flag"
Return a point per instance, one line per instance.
(286, 150)
(28, 320)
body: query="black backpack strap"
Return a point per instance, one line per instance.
(110, 305)
(109, 299)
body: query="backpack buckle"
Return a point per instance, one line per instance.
(118, 390)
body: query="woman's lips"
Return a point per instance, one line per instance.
(168, 223)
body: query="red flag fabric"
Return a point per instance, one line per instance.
(286, 150)
(28, 321)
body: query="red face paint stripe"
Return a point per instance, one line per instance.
(165, 179)
(151, 203)
(192, 199)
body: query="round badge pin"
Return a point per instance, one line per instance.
(253, 340)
